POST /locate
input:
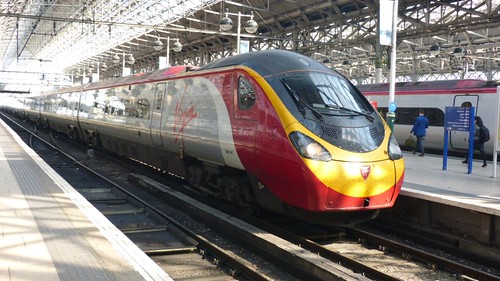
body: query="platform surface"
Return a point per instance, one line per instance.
(425, 178)
(48, 231)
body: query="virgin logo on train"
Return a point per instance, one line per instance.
(365, 171)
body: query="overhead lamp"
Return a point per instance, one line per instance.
(226, 23)
(458, 52)
(104, 67)
(158, 45)
(251, 26)
(131, 59)
(177, 47)
(116, 58)
(435, 50)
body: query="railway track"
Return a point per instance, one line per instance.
(372, 256)
(318, 255)
(179, 251)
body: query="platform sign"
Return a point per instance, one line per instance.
(244, 46)
(459, 119)
(385, 22)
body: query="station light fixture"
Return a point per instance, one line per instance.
(226, 24)
(458, 52)
(435, 50)
(251, 25)
(131, 59)
(116, 58)
(177, 46)
(158, 45)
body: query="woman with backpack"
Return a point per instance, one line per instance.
(481, 135)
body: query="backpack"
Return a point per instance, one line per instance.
(485, 134)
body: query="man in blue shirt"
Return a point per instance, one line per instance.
(419, 129)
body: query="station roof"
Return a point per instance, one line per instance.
(71, 36)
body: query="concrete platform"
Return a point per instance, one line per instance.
(48, 231)
(426, 179)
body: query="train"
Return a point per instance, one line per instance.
(432, 97)
(268, 130)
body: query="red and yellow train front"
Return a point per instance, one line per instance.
(319, 157)
(336, 179)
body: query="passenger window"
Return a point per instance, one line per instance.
(143, 108)
(435, 116)
(407, 115)
(246, 94)
(159, 95)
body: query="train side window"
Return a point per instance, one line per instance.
(435, 116)
(143, 108)
(246, 94)
(159, 92)
(407, 115)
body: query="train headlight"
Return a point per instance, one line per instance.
(309, 148)
(394, 150)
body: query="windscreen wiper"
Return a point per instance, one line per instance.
(335, 106)
(301, 104)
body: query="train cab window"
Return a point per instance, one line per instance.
(246, 94)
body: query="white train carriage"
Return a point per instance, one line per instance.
(433, 97)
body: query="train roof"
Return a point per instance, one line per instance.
(268, 62)
(144, 77)
(156, 75)
(430, 85)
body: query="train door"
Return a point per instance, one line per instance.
(157, 116)
(458, 139)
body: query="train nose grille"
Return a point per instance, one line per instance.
(356, 139)
(330, 132)
(374, 132)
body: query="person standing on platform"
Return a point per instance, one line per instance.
(419, 130)
(479, 140)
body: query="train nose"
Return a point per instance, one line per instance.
(361, 185)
